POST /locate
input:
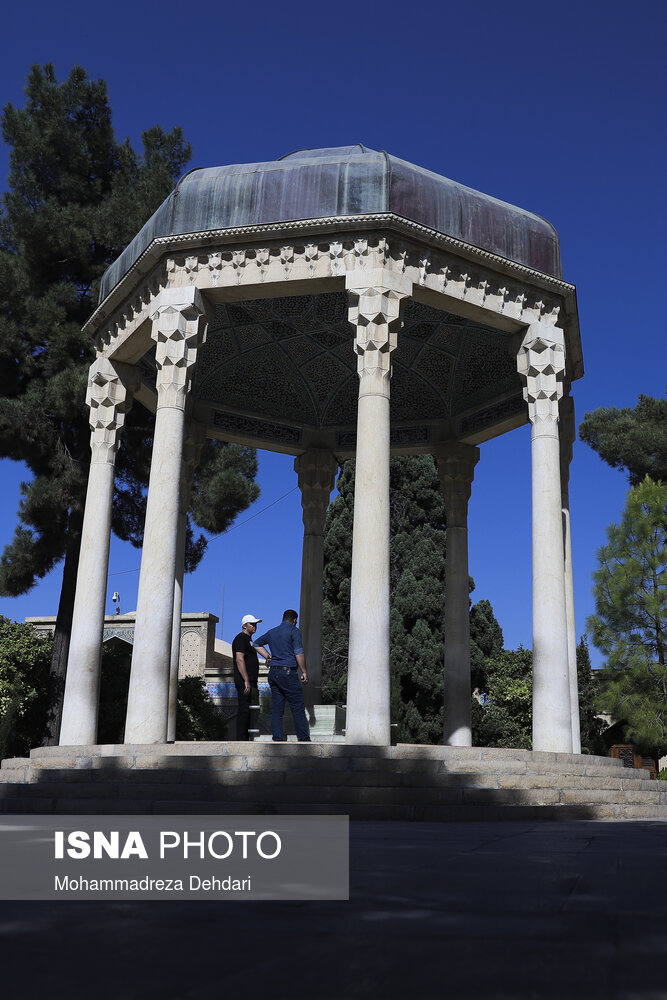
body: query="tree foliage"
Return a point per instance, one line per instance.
(197, 717)
(630, 590)
(24, 663)
(589, 683)
(504, 717)
(76, 196)
(631, 439)
(223, 485)
(417, 593)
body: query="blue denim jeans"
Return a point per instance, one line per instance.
(286, 687)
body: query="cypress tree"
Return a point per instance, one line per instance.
(417, 593)
(591, 725)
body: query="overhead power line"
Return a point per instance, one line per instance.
(124, 572)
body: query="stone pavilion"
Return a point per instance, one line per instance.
(334, 303)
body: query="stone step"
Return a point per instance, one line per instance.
(325, 773)
(230, 754)
(275, 787)
(315, 734)
(393, 782)
(509, 773)
(426, 812)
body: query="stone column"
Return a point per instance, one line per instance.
(178, 327)
(316, 470)
(375, 298)
(567, 438)
(456, 469)
(541, 363)
(109, 396)
(192, 445)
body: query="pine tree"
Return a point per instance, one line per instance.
(630, 590)
(631, 439)
(417, 593)
(76, 197)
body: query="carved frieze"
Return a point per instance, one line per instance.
(440, 271)
(262, 430)
(400, 437)
(126, 634)
(491, 415)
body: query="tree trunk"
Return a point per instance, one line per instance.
(61, 638)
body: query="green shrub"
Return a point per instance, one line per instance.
(197, 718)
(25, 657)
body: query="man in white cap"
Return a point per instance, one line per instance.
(246, 672)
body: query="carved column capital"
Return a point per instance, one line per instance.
(456, 470)
(541, 364)
(316, 470)
(375, 300)
(109, 396)
(179, 328)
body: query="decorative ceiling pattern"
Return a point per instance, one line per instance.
(292, 358)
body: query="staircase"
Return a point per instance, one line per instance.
(404, 782)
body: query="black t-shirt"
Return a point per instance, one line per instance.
(243, 644)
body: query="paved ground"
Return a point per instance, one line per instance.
(461, 910)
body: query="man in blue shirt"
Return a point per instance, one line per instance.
(287, 658)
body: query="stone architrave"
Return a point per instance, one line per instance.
(316, 471)
(541, 363)
(109, 396)
(456, 469)
(375, 299)
(567, 438)
(178, 318)
(192, 445)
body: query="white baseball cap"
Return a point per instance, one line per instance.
(250, 618)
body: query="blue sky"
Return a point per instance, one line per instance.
(557, 108)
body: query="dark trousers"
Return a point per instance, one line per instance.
(244, 701)
(286, 687)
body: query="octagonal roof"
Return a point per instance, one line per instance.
(345, 181)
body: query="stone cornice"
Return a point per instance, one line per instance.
(435, 261)
(163, 244)
(436, 270)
